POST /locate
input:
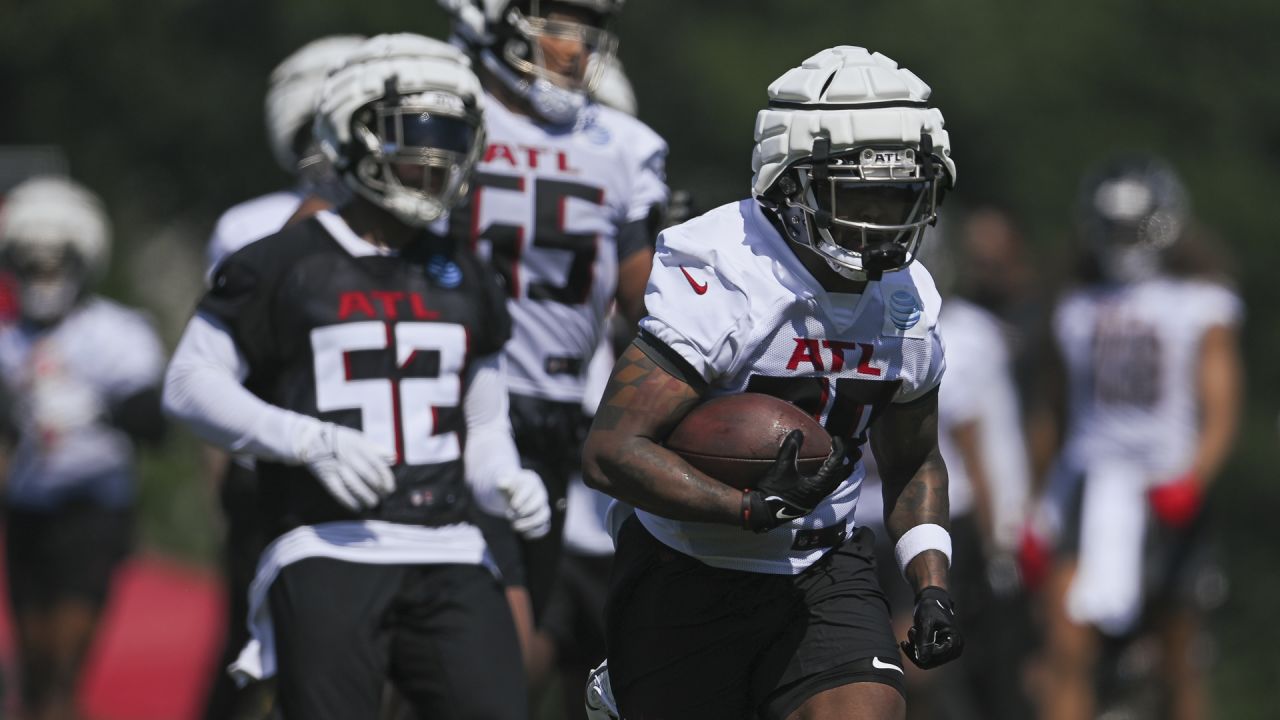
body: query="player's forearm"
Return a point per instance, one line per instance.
(919, 500)
(967, 439)
(202, 389)
(1220, 389)
(490, 454)
(633, 276)
(644, 474)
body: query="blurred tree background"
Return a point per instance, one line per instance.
(158, 107)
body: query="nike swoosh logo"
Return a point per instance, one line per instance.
(700, 288)
(782, 513)
(880, 665)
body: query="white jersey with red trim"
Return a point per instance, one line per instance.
(554, 209)
(729, 295)
(1132, 355)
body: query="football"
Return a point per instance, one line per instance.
(735, 438)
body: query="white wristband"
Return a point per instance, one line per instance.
(921, 538)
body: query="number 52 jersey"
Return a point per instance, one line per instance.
(728, 294)
(554, 210)
(331, 328)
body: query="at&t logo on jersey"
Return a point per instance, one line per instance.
(904, 310)
(444, 272)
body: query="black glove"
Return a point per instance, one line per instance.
(783, 494)
(934, 637)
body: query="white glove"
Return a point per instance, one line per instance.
(600, 703)
(527, 507)
(61, 403)
(351, 468)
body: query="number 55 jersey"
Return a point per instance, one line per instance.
(332, 328)
(555, 209)
(729, 296)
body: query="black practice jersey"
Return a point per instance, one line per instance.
(372, 342)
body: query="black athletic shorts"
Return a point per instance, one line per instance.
(687, 640)
(70, 553)
(442, 634)
(549, 438)
(575, 613)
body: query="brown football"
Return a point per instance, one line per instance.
(735, 438)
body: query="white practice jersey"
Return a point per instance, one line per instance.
(249, 221)
(1131, 354)
(980, 390)
(553, 209)
(61, 381)
(729, 295)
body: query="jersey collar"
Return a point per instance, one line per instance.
(355, 245)
(795, 276)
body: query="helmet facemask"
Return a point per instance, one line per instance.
(557, 62)
(51, 276)
(1129, 225)
(415, 153)
(864, 211)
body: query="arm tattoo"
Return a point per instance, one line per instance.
(624, 457)
(639, 387)
(905, 442)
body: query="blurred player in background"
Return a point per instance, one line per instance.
(726, 603)
(82, 377)
(292, 93)
(1000, 278)
(564, 205)
(571, 636)
(355, 354)
(981, 438)
(1151, 381)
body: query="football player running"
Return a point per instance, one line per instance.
(356, 355)
(81, 384)
(564, 206)
(764, 603)
(292, 93)
(1150, 380)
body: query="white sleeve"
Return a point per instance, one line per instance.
(490, 453)
(694, 308)
(1217, 305)
(923, 352)
(203, 389)
(975, 360)
(650, 187)
(132, 359)
(649, 183)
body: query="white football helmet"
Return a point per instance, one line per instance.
(516, 41)
(292, 93)
(55, 238)
(400, 123)
(852, 160)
